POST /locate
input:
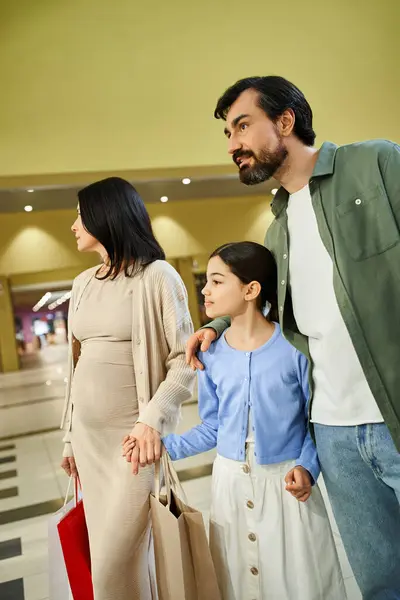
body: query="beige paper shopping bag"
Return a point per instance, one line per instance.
(184, 566)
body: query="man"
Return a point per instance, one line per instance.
(336, 242)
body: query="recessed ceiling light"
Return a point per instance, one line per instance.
(186, 181)
(30, 191)
(28, 208)
(164, 198)
(273, 192)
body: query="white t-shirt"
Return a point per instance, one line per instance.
(341, 393)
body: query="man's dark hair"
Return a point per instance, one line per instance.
(276, 95)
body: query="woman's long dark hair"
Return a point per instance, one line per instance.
(253, 262)
(113, 212)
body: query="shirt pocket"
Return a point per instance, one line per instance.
(367, 224)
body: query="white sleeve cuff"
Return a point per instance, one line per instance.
(67, 452)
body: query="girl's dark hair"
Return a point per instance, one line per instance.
(276, 94)
(114, 213)
(250, 261)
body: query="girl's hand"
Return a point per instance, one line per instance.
(128, 444)
(298, 483)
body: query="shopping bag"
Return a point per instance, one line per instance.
(59, 588)
(75, 546)
(184, 567)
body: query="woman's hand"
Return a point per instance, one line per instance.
(143, 446)
(69, 466)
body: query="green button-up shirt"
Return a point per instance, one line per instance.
(355, 193)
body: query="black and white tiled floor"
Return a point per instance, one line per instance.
(32, 485)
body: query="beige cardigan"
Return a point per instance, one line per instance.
(161, 326)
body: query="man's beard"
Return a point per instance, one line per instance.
(265, 165)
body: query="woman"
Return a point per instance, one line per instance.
(131, 320)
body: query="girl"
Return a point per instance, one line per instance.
(270, 535)
(131, 321)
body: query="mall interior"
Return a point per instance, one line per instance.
(91, 89)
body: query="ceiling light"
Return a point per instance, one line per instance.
(30, 191)
(186, 181)
(273, 192)
(28, 208)
(164, 198)
(60, 301)
(42, 301)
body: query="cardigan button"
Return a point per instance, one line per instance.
(138, 342)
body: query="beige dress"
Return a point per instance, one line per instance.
(105, 408)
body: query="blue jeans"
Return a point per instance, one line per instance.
(361, 470)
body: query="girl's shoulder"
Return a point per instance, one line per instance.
(214, 355)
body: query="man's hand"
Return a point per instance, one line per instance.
(69, 466)
(201, 339)
(298, 483)
(143, 446)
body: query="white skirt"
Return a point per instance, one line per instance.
(267, 545)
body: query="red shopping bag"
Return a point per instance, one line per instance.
(75, 546)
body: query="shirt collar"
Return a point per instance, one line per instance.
(326, 160)
(274, 336)
(325, 165)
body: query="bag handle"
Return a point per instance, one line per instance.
(175, 483)
(77, 487)
(170, 476)
(68, 490)
(160, 469)
(77, 484)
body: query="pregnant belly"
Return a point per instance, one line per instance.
(104, 395)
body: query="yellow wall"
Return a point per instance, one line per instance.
(42, 241)
(94, 85)
(8, 347)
